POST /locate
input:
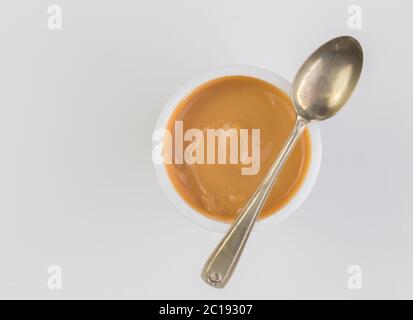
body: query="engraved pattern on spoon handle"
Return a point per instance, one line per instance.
(222, 262)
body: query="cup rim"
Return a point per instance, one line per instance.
(181, 205)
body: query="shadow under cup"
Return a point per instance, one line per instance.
(204, 103)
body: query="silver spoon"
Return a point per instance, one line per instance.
(321, 87)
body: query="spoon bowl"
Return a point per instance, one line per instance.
(327, 78)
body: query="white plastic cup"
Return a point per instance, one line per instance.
(294, 203)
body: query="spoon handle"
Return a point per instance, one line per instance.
(222, 262)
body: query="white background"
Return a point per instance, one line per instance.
(77, 185)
